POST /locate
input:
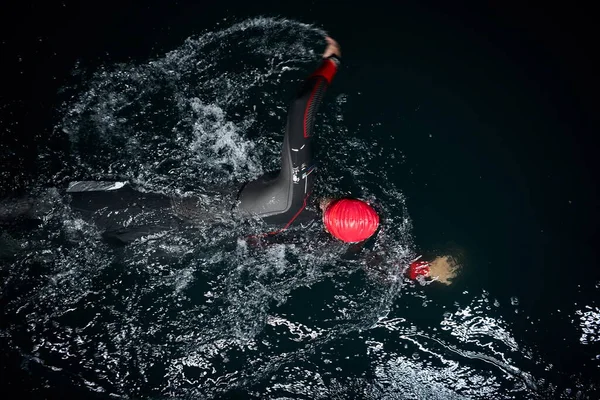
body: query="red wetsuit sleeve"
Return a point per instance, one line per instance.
(303, 111)
(327, 69)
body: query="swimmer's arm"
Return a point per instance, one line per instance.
(331, 60)
(332, 57)
(303, 110)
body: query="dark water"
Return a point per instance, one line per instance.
(476, 123)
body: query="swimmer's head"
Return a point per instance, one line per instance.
(349, 220)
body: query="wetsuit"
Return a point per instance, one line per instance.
(280, 199)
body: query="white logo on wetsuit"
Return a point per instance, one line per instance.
(295, 176)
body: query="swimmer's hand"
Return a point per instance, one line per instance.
(333, 48)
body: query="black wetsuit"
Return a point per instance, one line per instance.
(125, 214)
(280, 200)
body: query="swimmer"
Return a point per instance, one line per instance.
(280, 199)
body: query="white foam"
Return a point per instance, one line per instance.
(589, 322)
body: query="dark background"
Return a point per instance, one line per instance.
(507, 93)
(551, 44)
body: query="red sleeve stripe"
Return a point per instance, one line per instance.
(308, 107)
(327, 70)
(291, 220)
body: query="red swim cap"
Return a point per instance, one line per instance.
(350, 220)
(418, 268)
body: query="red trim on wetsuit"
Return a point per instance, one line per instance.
(310, 99)
(327, 70)
(273, 233)
(291, 220)
(297, 132)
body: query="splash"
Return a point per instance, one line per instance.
(427, 363)
(202, 313)
(187, 118)
(589, 320)
(196, 312)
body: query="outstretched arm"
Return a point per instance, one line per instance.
(280, 201)
(302, 113)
